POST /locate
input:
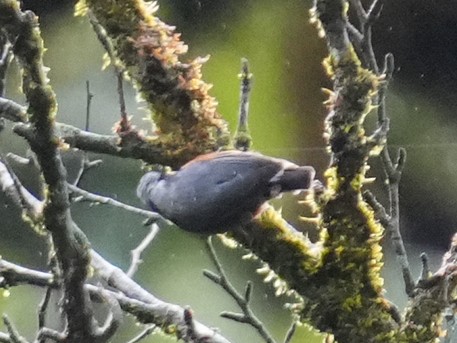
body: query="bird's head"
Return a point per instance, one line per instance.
(147, 182)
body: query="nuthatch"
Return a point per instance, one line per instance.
(221, 191)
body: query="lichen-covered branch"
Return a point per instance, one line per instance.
(339, 276)
(183, 111)
(360, 36)
(350, 285)
(70, 243)
(131, 297)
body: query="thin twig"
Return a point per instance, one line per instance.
(50, 334)
(89, 97)
(425, 272)
(361, 13)
(5, 58)
(123, 127)
(152, 152)
(247, 316)
(120, 93)
(42, 311)
(145, 333)
(85, 163)
(243, 139)
(15, 337)
(449, 316)
(157, 310)
(362, 38)
(131, 296)
(136, 253)
(12, 187)
(12, 111)
(113, 320)
(290, 333)
(110, 201)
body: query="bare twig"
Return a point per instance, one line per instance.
(361, 13)
(138, 148)
(89, 97)
(145, 333)
(449, 316)
(85, 163)
(247, 316)
(42, 311)
(363, 41)
(290, 333)
(136, 253)
(24, 161)
(131, 297)
(46, 333)
(124, 125)
(19, 195)
(12, 275)
(425, 272)
(110, 201)
(15, 337)
(158, 311)
(5, 58)
(113, 320)
(12, 111)
(243, 139)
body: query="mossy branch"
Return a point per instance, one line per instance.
(71, 245)
(185, 114)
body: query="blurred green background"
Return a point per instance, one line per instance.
(286, 120)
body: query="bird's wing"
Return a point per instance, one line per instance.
(239, 157)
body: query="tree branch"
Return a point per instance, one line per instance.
(159, 312)
(247, 316)
(136, 253)
(183, 111)
(70, 243)
(110, 201)
(243, 140)
(14, 335)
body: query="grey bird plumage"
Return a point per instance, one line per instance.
(221, 191)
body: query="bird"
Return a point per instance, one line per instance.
(221, 191)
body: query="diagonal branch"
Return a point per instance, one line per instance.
(136, 253)
(110, 201)
(150, 51)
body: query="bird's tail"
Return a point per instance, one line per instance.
(296, 178)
